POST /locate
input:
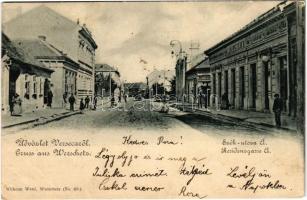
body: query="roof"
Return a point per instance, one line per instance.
(137, 85)
(38, 48)
(201, 65)
(11, 51)
(41, 49)
(21, 54)
(105, 68)
(45, 14)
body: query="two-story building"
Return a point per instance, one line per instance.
(71, 38)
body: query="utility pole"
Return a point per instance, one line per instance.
(164, 81)
(300, 66)
(110, 82)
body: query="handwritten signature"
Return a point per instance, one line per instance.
(183, 192)
(194, 171)
(250, 174)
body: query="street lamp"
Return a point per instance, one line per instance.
(173, 42)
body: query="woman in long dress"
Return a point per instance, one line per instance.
(17, 105)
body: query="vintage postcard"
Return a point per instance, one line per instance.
(181, 100)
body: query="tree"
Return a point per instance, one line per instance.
(102, 81)
(173, 86)
(160, 88)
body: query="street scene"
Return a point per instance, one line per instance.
(52, 71)
(153, 99)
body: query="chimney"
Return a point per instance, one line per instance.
(42, 37)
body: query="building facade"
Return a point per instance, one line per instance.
(72, 38)
(65, 69)
(198, 77)
(22, 74)
(258, 61)
(107, 80)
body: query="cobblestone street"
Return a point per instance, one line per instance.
(137, 115)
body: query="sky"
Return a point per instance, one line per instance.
(129, 33)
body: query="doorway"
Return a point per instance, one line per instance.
(283, 81)
(220, 84)
(242, 87)
(46, 90)
(253, 85)
(226, 82)
(233, 86)
(266, 86)
(13, 76)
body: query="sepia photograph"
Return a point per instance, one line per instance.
(152, 99)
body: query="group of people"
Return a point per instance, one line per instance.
(84, 104)
(16, 103)
(202, 99)
(113, 103)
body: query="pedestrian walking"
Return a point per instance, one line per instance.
(49, 98)
(119, 99)
(200, 98)
(277, 108)
(72, 101)
(95, 102)
(225, 102)
(82, 105)
(87, 102)
(65, 99)
(112, 101)
(125, 98)
(204, 99)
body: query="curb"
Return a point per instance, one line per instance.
(239, 119)
(37, 122)
(56, 118)
(20, 123)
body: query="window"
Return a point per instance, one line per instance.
(66, 82)
(34, 95)
(40, 86)
(27, 87)
(34, 85)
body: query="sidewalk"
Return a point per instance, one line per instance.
(264, 119)
(7, 120)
